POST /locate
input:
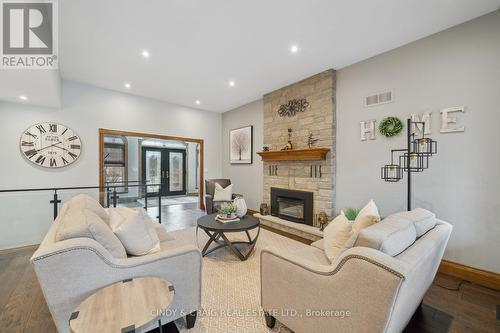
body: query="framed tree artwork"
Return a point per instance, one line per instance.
(241, 145)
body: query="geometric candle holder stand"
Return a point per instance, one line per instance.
(413, 158)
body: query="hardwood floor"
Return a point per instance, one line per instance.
(22, 306)
(450, 305)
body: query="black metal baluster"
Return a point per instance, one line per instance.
(107, 197)
(115, 197)
(55, 202)
(159, 205)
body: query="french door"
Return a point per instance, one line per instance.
(164, 166)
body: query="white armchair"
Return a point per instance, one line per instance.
(364, 290)
(71, 270)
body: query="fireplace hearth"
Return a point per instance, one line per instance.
(292, 205)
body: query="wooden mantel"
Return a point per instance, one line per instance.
(308, 154)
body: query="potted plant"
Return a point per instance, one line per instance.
(228, 210)
(351, 213)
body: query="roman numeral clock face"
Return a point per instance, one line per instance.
(50, 145)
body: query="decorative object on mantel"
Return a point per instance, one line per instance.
(241, 206)
(414, 158)
(390, 126)
(293, 106)
(264, 209)
(322, 220)
(241, 145)
(307, 154)
(265, 148)
(311, 140)
(289, 145)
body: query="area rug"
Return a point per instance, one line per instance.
(231, 288)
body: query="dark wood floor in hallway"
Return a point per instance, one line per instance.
(450, 305)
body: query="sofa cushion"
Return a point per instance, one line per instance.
(312, 254)
(223, 194)
(392, 235)
(319, 244)
(135, 230)
(76, 223)
(422, 219)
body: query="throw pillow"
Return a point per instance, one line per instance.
(119, 215)
(223, 194)
(137, 234)
(366, 217)
(85, 223)
(338, 237)
(84, 201)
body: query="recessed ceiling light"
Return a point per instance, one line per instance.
(294, 48)
(146, 54)
(198, 102)
(23, 97)
(127, 85)
(231, 83)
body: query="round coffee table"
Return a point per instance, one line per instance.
(124, 306)
(217, 231)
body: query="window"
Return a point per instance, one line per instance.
(115, 162)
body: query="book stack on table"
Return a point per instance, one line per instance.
(224, 219)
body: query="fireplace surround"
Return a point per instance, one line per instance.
(292, 205)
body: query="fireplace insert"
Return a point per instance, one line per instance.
(292, 205)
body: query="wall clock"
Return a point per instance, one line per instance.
(50, 145)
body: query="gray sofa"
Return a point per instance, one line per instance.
(375, 286)
(71, 270)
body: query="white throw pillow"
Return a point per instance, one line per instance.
(85, 223)
(119, 215)
(84, 201)
(338, 237)
(366, 217)
(223, 194)
(135, 231)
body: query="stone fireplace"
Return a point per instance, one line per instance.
(316, 177)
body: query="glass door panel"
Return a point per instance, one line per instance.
(153, 168)
(176, 171)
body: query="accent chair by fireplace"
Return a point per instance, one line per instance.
(212, 206)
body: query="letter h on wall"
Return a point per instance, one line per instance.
(367, 129)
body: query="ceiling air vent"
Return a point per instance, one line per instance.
(382, 98)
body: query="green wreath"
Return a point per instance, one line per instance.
(390, 126)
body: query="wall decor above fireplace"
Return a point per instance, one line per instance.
(293, 106)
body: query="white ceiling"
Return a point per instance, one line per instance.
(198, 46)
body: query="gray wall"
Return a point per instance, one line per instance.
(24, 219)
(459, 66)
(247, 178)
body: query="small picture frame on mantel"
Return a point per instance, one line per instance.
(241, 145)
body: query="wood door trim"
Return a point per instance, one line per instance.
(105, 131)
